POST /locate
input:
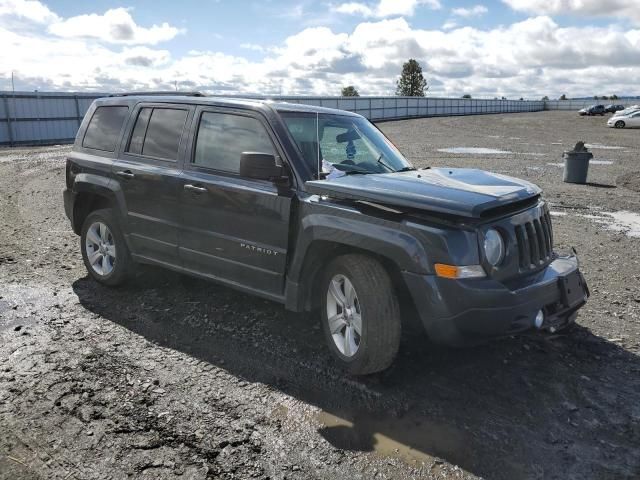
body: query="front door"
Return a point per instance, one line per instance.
(148, 172)
(235, 229)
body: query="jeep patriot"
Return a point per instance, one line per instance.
(316, 209)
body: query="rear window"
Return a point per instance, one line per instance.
(157, 132)
(104, 128)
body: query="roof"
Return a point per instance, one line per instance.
(195, 98)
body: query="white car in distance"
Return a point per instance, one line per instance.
(629, 119)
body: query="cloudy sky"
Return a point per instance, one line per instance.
(488, 48)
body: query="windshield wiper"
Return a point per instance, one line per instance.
(406, 169)
(384, 164)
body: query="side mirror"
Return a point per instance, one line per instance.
(261, 166)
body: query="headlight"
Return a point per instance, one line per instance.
(493, 247)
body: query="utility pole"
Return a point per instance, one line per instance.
(176, 84)
(13, 87)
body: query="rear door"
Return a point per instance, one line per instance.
(235, 229)
(148, 172)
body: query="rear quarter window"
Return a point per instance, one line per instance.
(104, 128)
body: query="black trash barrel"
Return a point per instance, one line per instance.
(576, 164)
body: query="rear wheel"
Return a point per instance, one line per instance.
(360, 314)
(619, 124)
(104, 249)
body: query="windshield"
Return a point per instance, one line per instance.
(336, 145)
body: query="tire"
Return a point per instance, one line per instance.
(101, 236)
(374, 303)
(619, 124)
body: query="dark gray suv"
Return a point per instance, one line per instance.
(316, 209)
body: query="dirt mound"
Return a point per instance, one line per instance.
(630, 181)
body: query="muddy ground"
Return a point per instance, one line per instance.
(171, 377)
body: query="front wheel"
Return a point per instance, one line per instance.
(360, 314)
(104, 249)
(619, 124)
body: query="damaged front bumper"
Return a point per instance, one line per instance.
(458, 312)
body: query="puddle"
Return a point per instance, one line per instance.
(413, 440)
(624, 222)
(557, 214)
(473, 151)
(591, 162)
(602, 147)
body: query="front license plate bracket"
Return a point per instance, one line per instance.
(572, 289)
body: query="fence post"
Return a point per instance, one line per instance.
(9, 126)
(75, 97)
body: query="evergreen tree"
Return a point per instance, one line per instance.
(411, 82)
(563, 97)
(350, 91)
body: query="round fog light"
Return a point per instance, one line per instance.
(539, 319)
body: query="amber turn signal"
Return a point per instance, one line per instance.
(455, 271)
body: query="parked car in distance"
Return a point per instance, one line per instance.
(613, 108)
(316, 209)
(628, 110)
(592, 110)
(628, 120)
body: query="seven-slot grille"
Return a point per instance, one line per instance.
(535, 242)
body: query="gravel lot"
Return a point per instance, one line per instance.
(172, 377)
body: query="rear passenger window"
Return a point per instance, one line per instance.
(104, 128)
(223, 137)
(157, 133)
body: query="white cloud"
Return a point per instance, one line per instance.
(252, 46)
(114, 26)
(386, 8)
(624, 9)
(32, 10)
(475, 11)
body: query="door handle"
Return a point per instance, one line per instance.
(125, 174)
(194, 188)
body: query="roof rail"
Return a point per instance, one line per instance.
(159, 93)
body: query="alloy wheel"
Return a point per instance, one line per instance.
(100, 248)
(344, 315)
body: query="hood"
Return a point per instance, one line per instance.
(456, 191)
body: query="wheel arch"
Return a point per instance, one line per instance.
(93, 192)
(324, 238)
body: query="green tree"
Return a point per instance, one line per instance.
(545, 98)
(614, 97)
(350, 91)
(411, 82)
(563, 97)
(466, 95)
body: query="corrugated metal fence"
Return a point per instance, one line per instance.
(28, 118)
(41, 118)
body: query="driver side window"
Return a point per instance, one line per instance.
(222, 138)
